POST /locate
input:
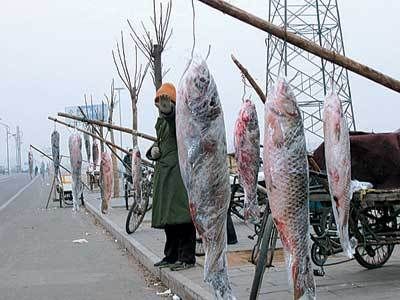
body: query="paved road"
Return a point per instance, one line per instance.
(39, 261)
(10, 185)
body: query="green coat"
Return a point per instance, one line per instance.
(170, 201)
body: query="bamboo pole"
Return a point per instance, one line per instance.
(104, 124)
(250, 79)
(304, 44)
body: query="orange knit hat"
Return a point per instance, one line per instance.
(166, 89)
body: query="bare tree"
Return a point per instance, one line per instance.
(152, 48)
(132, 83)
(111, 103)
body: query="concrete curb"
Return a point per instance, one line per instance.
(178, 283)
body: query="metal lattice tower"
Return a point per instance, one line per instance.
(309, 75)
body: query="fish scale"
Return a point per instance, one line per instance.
(202, 158)
(286, 178)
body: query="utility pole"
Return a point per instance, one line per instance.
(18, 149)
(119, 108)
(8, 154)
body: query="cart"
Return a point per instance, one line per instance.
(373, 224)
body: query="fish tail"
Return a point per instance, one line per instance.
(251, 208)
(348, 245)
(303, 279)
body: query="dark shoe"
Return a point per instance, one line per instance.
(163, 264)
(178, 266)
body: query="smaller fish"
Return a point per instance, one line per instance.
(338, 166)
(30, 162)
(55, 149)
(96, 153)
(136, 174)
(86, 138)
(247, 154)
(106, 181)
(75, 156)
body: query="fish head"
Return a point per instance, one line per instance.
(283, 102)
(200, 93)
(333, 113)
(248, 115)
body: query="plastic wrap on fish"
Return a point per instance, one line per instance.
(55, 150)
(96, 153)
(286, 178)
(30, 163)
(86, 138)
(202, 159)
(136, 174)
(75, 155)
(247, 154)
(338, 167)
(106, 181)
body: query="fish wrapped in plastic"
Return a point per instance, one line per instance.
(96, 153)
(106, 181)
(30, 162)
(75, 156)
(247, 155)
(286, 178)
(136, 174)
(55, 150)
(202, 159)
(86, 138)
(338, 167)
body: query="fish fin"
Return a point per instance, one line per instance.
(277, 134)
(303, 279)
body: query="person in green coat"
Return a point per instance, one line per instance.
(170, 209)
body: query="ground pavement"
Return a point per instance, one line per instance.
(344, 281)
(38, 259)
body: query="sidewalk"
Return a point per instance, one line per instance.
(348, 280)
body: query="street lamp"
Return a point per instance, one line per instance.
(8, 154)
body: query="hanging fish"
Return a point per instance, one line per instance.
(338, 166)
(30, 162)
(55, 150)
(86, 138)
(75, 155)
(247, 154)
(96, 153)
(136, 174)
(286, 179)
(106, 181)
(202, 159)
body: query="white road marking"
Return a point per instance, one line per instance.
(18, 193)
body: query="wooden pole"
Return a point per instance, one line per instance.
(41, 152)
(104, 124)
(250, 79)
(109, 144)
(304, 44)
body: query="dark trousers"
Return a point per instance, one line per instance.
(181, 243)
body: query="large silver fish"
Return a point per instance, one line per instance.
(106, 181)
(338, 166)
(202, 159)
(75, 156)
(55, 149)
(247, 154)
(286, 179)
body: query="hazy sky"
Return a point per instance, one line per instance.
(53, 51)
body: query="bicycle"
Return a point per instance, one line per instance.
(140, 204)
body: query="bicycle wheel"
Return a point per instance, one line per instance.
(136, 214)
(126, 195)
(266, 253)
